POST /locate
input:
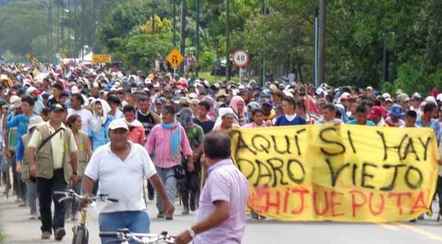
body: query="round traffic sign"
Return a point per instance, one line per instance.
(241, 58)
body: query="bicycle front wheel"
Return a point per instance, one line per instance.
(81, 235)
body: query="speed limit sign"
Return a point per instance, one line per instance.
(241, 58)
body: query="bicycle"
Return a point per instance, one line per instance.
(123, 236)
(80, 231)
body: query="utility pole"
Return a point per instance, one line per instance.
(62, 22)
(228, 40)
(198, 13)
(174, 22)
(316, 45)
(50, 30)
(386, 60)
(263, 61)
(183, 30)
(154, 12)
(82, 27)
(322, 39)
(57, 26)
(94, 25)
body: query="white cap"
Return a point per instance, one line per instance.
(118, 124)
(193, 95)
(30, 90)
(430, 99)
(75, 90)
(386, 95)
(15, 101)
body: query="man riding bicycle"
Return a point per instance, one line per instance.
(120, 167)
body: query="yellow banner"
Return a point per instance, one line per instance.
(101, 58)
(338, 173)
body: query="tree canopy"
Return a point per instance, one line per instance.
(365, 39)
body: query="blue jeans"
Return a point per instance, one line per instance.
(167, 176)
(135, 221)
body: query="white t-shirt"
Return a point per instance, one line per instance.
(290, 117)
(122, 180)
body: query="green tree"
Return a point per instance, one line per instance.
(20, 23)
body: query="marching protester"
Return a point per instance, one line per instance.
(289, 116)
(427, 119)
(167, 143)
(158, 123)
(189, 185)
(121, 167)
(115, 102)
(52, 154)
(329, 115)
(88, 122)
(31, 187)
(226, 121)
(20, 121)
(410, 119)
(202, 116)
(361, 116)
(74, 122)
(144, 114)
(239, 108)
(257, 119)
(221, 218)
(101, 111)
(395, 115)
(148, 119)
(136, 129)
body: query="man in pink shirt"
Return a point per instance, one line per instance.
(221, 217)
(167, 143)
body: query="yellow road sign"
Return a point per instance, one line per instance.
(175, 58)
(101, 58)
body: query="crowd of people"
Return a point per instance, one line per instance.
(62, 116)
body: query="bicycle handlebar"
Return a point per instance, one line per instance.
(71, 194)
(124, 235)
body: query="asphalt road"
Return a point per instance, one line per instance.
(14, 221)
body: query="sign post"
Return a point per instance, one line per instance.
(175, 59)
(241, 59)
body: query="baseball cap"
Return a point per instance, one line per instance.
(396, 110)
(15, 101)
(31, 90)
(376, 112)
(386, 96)
(118, 124)
(58, 108)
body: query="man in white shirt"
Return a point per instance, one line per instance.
(120, 167)
(88, 122)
